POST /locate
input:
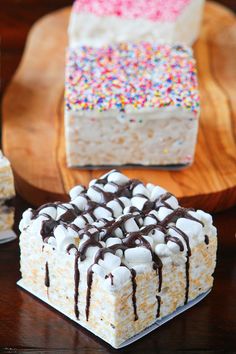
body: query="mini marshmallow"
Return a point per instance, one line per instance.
(150, 187)
(118, 178)
(90, 251)
(119, 253)
(97, 269)
(52, 241)
(163, 212)
(163, 250)
(138, 202)
(202, 216)
(36, 225)
(80, 222)
(138, 255)
(149, 221)
(125, 201)
(149, 240)
(100, 223)
(120, 276)
(51, 211)
(75, 191)
(62, 238)
(113, 241)
(118, 232)
(26, 218)
(61, 209)
(141, 189)
(101, 213)
(71, 232)
(110, 187)
(116, 208)
(94, 195)
(190, 227)
(131, 225)
(81, 202)
(157, 236)
(109, 262)
(92, 182)
(157, 192)
(172, 202)
(174, 247)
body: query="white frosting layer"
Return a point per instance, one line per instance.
(89, 29)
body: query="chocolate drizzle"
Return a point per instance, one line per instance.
(158, 306)
(111, 276)
(179, 213)
(108, 230)
(47, 279)
(134, 287)
(76, 281)
(89, 287)
(186, 239)
(206, 240)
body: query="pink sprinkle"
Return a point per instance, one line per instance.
(153, 10)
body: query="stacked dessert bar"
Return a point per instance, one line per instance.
(117, 257)
(131, 98)
(7, 193)
(100, 22)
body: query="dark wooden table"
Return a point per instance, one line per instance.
(27, 325)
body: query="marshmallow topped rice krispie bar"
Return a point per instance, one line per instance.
(7, 193)
(101, 22)
(117, 257)
(131, 104)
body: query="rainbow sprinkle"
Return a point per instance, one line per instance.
(131, 77)
(153, 10)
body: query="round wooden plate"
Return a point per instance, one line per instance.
(33, 135)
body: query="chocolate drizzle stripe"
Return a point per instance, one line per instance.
(47, 279)
(158, 306)
(134, 287)
(187, 264)
(111, 276)
(76, 282)
(89, 288)
(206, 240)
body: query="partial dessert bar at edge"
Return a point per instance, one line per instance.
(131, 104)
(117, 257)
(7, 193)
(97, 23)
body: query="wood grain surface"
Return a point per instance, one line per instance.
(33, 134)
(28, 326)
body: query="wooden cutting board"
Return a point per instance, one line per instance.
(33, 131)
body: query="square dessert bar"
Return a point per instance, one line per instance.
(7, 193)
(119, 256)
(98, 23)
(131, 104)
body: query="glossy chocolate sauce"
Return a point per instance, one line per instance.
(158, 306)
(130, 240)
(47, 279)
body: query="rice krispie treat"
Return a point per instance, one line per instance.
(98, 23)
(119, 256)
(7, 193)
(131, 104)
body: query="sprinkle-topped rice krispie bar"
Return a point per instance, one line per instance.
(99, 23)
(7, 193)
(131, 104)
(117, 257)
